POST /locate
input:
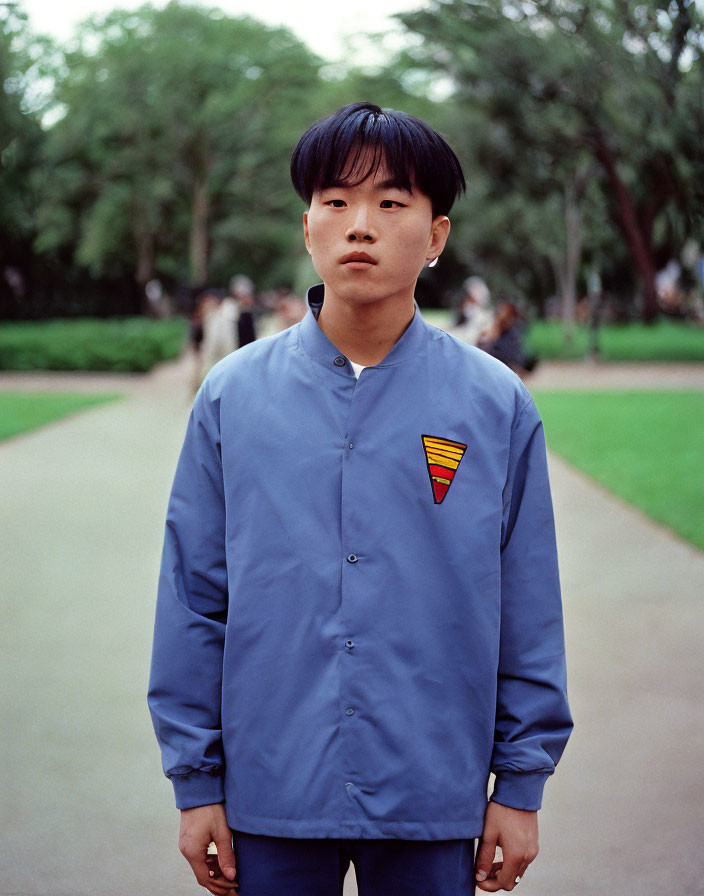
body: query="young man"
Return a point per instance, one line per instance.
(359, 610)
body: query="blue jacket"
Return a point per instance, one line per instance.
(358, 613)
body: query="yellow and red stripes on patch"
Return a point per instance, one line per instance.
(443, 457)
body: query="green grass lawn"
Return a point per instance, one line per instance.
(647, 447)
(21, 411)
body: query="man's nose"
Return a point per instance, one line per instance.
(361, 228)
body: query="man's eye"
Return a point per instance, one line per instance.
(390, 203)
(336, 203)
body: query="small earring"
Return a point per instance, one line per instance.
(432, 263)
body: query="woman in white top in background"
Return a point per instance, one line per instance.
(475, 316)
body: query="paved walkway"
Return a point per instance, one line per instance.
(615, 375)
(547, 375)
(85, 808)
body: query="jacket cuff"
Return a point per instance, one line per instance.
(198, 789)
(519, 790)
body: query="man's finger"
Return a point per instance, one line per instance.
(485, 856)
(522, 870)
(201, 866)
(224, 888)
(217, 884)
(523, 861)
(491, 884)
(216, 876)
(220, 887)
(511, 870)
(226, 857)
(496, 881)
(194, 855)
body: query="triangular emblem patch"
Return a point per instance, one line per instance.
(443, 457)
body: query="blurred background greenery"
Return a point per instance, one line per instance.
(154, 145)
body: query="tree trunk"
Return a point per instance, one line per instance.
(144, 244)
(638, 242)
(200, 241)
(565, 266)
(572, 256)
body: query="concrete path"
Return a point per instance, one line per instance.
(547, 375)
(84, 806)
(615, 375)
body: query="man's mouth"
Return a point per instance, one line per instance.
(358, 260)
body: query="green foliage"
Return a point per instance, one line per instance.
(545, 339)
(596, 106)
(646, 447)
(23, 411)
(162, 147)
(663, 341)
(176, 128)
(20, 137)
(119, 344)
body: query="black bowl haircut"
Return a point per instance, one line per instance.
(330, 152)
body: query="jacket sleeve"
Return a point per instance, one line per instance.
(191, 613)
(533, 719)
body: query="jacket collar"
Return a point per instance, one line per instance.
(317, 345)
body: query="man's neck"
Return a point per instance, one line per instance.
(365, 333)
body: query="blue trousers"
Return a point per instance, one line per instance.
(273, 866)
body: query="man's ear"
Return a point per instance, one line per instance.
(306, 234)
(440, 230)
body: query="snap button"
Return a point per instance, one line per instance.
(349, 643)
(340, 361)
(351, 445)
(352, 558)
(349, 711)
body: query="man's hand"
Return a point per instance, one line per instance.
(516, 832)
(199, 827)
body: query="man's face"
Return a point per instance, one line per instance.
(369, 242)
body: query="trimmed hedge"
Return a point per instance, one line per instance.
(666, 340)
(129, 344)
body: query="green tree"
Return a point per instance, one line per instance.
(557, 91)
(20, 143)
(170, 149)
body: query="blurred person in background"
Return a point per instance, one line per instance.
(290, 309)
(504, 340)
(693, 280)
(668, 288)
(283, 309)
(158, 302)
(475, 315)
(195, 324)
(242, 291)
(218, 317)
(205, 303)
